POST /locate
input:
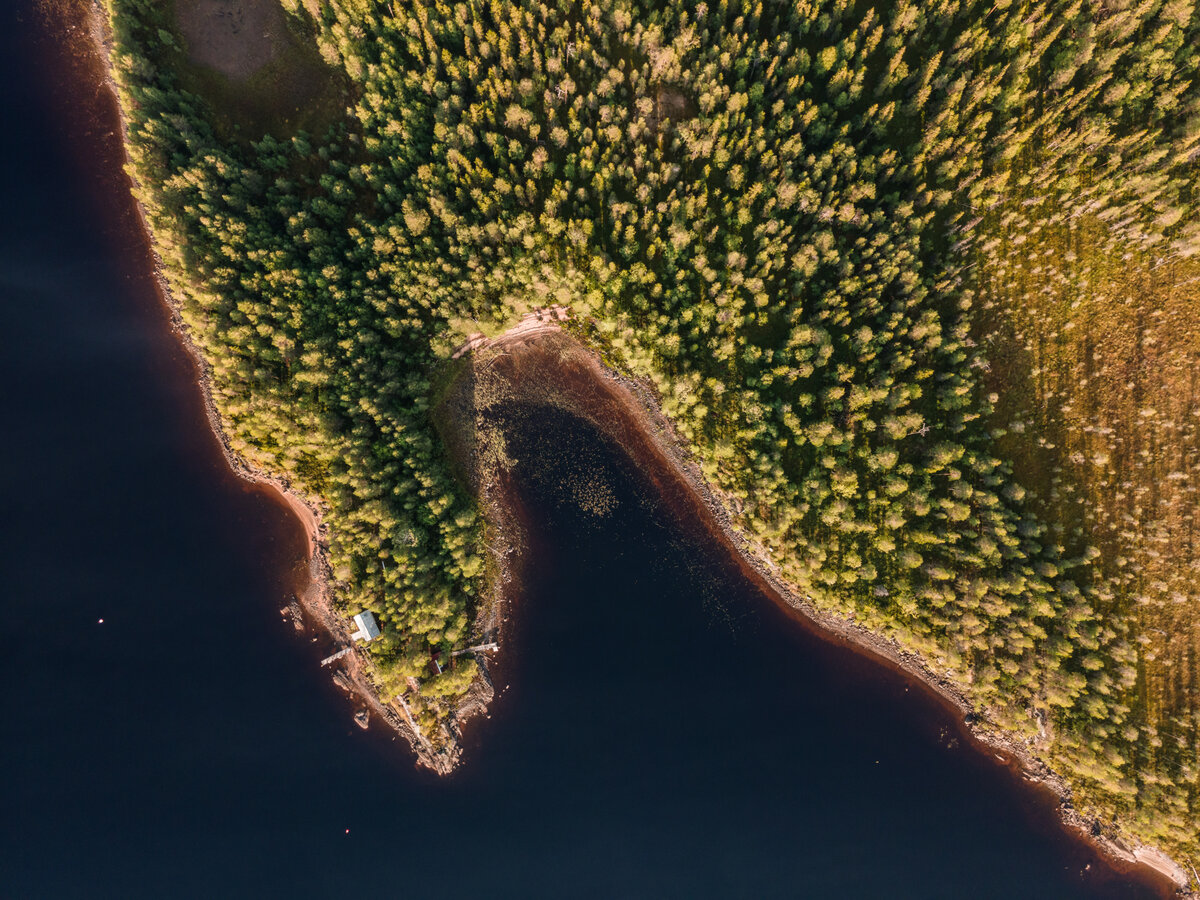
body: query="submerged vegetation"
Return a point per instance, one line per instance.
(918, 283)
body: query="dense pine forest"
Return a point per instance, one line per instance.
(917, 282)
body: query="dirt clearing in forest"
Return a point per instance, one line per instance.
(257, 68)
(234, 37)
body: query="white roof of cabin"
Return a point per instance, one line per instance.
(367, 629)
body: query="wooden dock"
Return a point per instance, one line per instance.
(478, 648)
(327, 660)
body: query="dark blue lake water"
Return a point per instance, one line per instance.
(666, 731)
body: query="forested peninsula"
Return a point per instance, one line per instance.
(916, 285)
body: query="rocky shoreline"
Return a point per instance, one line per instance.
(658, 439)
(861, 639)
(651, 443)
(316, 599)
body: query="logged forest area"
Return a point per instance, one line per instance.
(918, 284)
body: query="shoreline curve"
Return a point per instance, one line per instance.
(626, 410)
(667, 451)
(316, 598)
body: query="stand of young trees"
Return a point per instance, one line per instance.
(799, 222)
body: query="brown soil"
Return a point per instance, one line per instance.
(255, 69)
(672, 103)
(234, 37)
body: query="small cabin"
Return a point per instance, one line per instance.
(367, 629)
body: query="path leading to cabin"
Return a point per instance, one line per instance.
(541, 321)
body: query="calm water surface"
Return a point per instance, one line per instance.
(665, 732)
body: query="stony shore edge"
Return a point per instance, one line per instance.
(862, 640)
(662, 447)
(317, 599)
(352, 673)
